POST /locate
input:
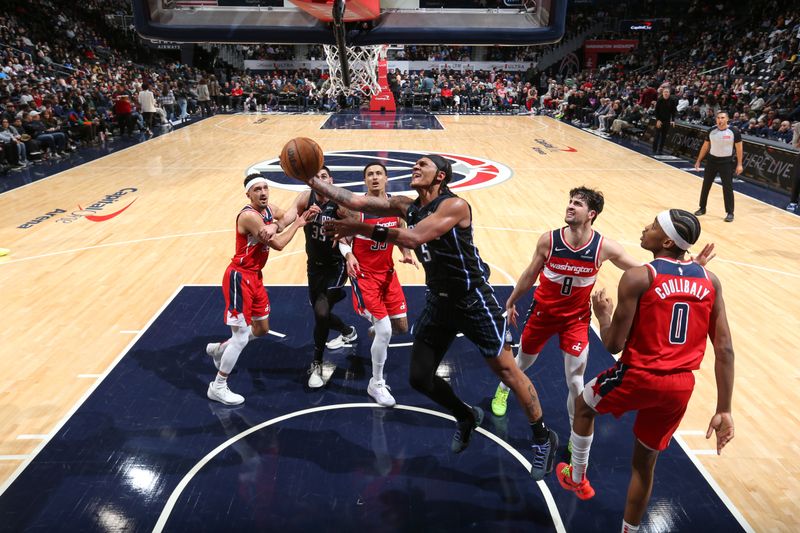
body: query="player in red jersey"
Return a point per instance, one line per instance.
(377, 294)
(246, 301)
(666, 309)
(567, 261)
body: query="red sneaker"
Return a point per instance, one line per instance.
(582, 490)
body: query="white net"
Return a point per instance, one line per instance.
(363, 67)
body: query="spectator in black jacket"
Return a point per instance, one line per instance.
(666, 110)
(55, 141)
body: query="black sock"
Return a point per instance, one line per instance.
(540, 431)
(317, 355)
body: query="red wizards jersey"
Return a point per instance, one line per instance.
(672, 319)
(251, 254)
(568, 275)
(375, 256)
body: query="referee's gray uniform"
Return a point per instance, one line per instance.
(721, 159)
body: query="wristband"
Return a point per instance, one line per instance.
(380, 234)
(345, 249)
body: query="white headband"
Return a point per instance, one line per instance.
(257, 179)
(665, 221)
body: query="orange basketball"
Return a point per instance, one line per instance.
(301, 158)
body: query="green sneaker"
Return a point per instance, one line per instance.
(500, 401)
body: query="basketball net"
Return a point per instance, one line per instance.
(363, 68)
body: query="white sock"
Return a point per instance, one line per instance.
(629, 528)
(574, 367)
(380, 346)
(580, 455)
(221, 381)
(524, 362)
(250, 337)
(233, 348)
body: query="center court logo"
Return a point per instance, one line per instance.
(469, 172)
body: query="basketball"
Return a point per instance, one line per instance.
(301, 158)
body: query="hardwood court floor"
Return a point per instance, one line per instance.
(75, 290)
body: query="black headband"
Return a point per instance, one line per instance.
(442, 165)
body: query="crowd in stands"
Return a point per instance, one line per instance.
(754, 77)
(67, 79)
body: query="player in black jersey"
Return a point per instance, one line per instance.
(459, 297)
(326, 275)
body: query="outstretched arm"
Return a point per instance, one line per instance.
(720, 333)
(280, 241)
(451, 212)
(391, 206)
(528, 276)
(614, 332)
(613, 251)
(252, 224)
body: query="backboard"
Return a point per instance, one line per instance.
(513, 22)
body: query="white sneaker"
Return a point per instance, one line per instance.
(223, 395)
(215, 350)
(341, 340)
(315, 375)
(380, 393)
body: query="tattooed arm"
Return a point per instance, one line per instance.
(392, 206)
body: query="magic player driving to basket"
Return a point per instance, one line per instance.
(459, 299)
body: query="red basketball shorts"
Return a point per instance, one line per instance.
(573, 332)
(377, 295)
(659, 398)
(245, 297)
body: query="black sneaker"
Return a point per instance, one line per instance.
(464, 432)
(544, 456)
(729, 217)
(700, 212)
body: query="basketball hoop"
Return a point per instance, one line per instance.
(358, 71)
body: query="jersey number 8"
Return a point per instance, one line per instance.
(566, 286)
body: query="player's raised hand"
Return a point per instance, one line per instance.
(705, 255)
(722, 424)
(307, 216)
(602, 304)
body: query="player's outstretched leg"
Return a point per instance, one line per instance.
(545, 440)
(500, 400)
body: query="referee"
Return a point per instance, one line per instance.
(719, 145)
